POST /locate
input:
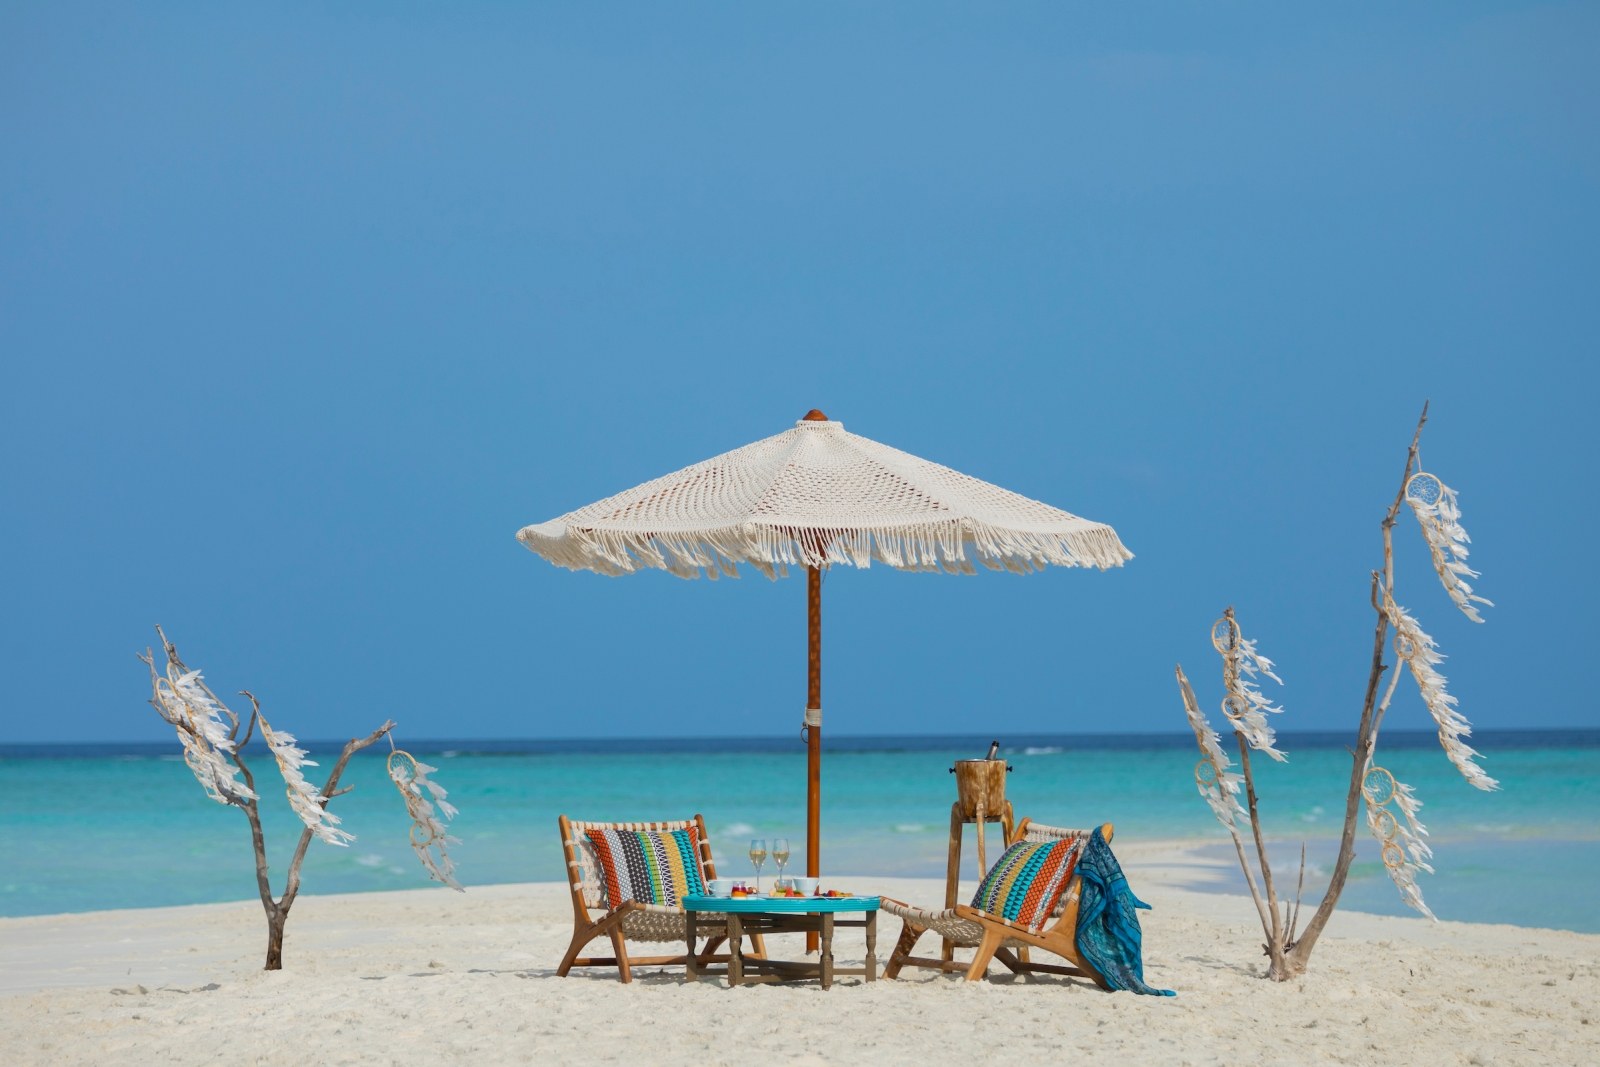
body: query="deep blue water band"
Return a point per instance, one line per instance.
(975, 744)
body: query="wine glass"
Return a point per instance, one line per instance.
(758, 856)
(780, 853)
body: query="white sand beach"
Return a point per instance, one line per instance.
(431, 976)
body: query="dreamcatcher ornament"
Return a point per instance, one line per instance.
(1218, 786)
(1400, 837)
(1420, 654)
(1404, 851)
(303, 796)
(185, 701)
(1245, 705)
(1435, 506)
(428, 833)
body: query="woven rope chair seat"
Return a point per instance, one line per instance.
(657, 922)
(947, 924)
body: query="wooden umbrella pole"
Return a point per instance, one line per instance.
(813, 731)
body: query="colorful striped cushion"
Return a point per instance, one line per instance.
(650, 866)
(1026, 883)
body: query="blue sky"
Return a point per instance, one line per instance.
(304, 311)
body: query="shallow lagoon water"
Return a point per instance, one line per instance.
(127, 826)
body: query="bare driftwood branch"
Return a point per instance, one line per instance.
(1287, 946)
(1275, 928)
(1295, 961)
(255, 713)
(257, 839)
(329, 790)
(1294, 920)
(277, 910)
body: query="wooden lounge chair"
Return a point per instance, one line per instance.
(633, 921)
(994, 937)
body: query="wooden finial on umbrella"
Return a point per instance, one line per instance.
(814, 416)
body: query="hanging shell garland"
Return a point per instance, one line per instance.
(428, 833)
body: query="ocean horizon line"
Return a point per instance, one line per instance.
(1011, 744)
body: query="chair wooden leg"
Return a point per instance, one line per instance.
(1098, 978)
(579, 939)
(691, 929)
(712, 945)
(758, 946)
(624, 971)
(985, 953)
(1062, 944)
(610, 926)
(902, 948)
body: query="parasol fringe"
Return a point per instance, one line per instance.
(947, 546)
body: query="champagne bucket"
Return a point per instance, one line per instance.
(981, 784)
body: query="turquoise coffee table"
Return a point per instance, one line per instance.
(781, 915)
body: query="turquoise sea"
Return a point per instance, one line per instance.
(119, 826)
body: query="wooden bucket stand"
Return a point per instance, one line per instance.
(981, 799)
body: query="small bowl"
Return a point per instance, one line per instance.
(720, 887)
(807, 886)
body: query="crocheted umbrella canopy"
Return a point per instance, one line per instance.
(814, 496)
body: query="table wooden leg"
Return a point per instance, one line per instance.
(827, 950)
(735, 956)
(872, 946)
(690, 973)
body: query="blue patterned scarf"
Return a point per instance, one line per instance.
(1108, 928)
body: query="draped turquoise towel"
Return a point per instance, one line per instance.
(1108, 929)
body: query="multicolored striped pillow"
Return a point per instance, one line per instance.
(1026, 883)
(650, 866)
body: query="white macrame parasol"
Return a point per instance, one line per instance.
(815, 496)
